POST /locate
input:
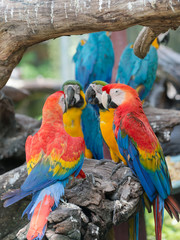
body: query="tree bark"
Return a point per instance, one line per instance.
(24, 23)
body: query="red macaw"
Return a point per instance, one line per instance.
(141, 149)
(53, 156)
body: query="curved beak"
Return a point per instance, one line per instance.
(90, 95)
(65, 106)
(106, 100)
(70, 99)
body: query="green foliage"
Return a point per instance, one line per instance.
(171, 228)
(41, 60)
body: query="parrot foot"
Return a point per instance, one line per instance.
(63, 201)
(90, 178)
(118, 166)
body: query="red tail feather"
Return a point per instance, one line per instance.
(157, 218)
(172, 207)
(81, 174)
(39, 218)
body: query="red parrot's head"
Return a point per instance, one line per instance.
(118, 94)
(54, 106)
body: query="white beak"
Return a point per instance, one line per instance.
(104, 98)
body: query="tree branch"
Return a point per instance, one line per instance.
(24, 23)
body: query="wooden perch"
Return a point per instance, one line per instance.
(105, 198)
(25, 23)
(145, 39)
(108, 196)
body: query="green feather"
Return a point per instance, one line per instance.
(99, 82)
(71, 82)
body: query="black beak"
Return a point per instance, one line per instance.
(110, 103)
(90, 95)
(71, 101)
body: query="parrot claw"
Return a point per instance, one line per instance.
(119, 165)
(90, 178)
(64, 201)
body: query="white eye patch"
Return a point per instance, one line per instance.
(117, 96)
(98, 90)
(62, 102)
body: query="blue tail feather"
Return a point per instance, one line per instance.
(13, 197)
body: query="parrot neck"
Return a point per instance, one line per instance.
(72, 122)
(53, 116)
(126, 108)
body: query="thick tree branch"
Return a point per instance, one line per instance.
(24, 23)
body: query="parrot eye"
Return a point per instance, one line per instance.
(78, 90)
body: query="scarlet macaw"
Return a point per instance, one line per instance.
(52, 156)
(141, 149)
(95, 60)
(82, 120)
(94, 96)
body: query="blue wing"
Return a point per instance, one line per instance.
(136, 72)
(85, 62)
(96, 60)
(153, 182)
(105, 60)
(78, 51)
(92, 132)
(42, 175)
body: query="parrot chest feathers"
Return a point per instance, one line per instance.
(72, 122)
(106, 125)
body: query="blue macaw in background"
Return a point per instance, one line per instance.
(79, 49)
(94, 60)
(138, 73)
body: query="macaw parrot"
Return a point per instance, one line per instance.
(81, 120)
(95, 60)
(53, 157)
(93, 96)
(138, 73)
(79, 49)
(141, 149)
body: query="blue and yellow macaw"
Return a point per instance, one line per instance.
(93, 96)
(138, 73)
(95, 60)
(81, 120)
(79, 49)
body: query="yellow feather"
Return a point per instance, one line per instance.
(106, 125)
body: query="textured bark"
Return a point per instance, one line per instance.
(24, 23)
(14, 129)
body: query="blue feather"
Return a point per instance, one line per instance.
(41, 176)
(136, 72)
(91, 131)
(152, 182)
(95, 60)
